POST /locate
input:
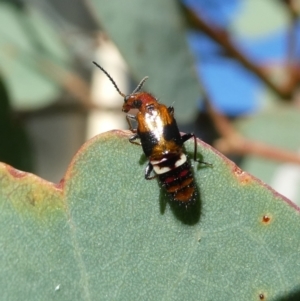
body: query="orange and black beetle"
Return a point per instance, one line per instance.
(161, 142)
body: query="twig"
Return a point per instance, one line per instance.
(232, 50)
(232, 142)
(241, 146)
(292, 64)
(72, 82)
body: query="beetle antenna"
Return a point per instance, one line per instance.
(111, 79)
(140, 85)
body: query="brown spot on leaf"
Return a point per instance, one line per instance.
(243, 177)
(261, 296)
(266, 219)
(237, 170)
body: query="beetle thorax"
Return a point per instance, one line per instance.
(140, 101)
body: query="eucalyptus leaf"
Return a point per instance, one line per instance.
(273, 13)
(278, 126)
(28, 43)
(105, 233)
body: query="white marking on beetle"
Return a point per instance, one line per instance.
(160, 170)
(181, 160)
(155, 124)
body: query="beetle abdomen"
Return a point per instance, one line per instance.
(177, 179)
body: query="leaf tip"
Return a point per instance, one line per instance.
(60, 185)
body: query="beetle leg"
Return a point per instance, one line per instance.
(148, 171)
(171, 110)
(188, 136)
(134, 137)
(129, 118)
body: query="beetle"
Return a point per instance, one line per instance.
(162, 143)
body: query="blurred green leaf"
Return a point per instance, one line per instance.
(27, 46)
(105, 233)
(273, 17)
(276, 126)
(151, 37)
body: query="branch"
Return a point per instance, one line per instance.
(223, 40)
(232, 142)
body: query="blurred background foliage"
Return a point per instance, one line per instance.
(230, 69)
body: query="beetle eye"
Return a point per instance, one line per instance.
(137, 103)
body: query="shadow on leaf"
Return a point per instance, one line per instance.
(293, 295)
(189, 215)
